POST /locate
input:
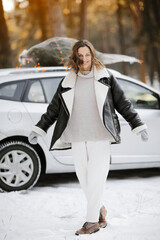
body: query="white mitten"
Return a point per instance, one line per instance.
(144, 135)
(33, 137)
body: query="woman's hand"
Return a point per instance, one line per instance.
(33, 137)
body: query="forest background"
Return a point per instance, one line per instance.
(129, 27)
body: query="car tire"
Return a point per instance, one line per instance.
(20, 166)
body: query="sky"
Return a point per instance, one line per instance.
(8, 5)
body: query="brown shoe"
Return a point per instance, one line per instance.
(102, 217)
(88, 228)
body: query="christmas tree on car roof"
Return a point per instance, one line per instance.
(55, 52)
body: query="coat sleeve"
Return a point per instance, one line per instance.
(50, 116)
(125, 107)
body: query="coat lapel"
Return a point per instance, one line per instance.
(100, 89)
(68, 96)
(101, 93)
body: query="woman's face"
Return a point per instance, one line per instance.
(84, 54)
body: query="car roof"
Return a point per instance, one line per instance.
(15, 74)
(12, 74)
(7, 71)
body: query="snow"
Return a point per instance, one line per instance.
(109, 58)
(55, 208)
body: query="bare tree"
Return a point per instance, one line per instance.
(121, 33)
(83, 20)
(5, 50)
(137, 20)
(151, 29)
(37, 11)
(56, 18)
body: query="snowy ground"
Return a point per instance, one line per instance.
(56, 207)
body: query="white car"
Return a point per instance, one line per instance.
(24, 97)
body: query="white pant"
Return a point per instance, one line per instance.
(91, 161)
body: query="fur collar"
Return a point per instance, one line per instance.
(70, 79)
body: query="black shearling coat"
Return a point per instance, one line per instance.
(109, 96)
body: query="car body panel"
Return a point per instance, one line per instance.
(14, 118)
(132, 149)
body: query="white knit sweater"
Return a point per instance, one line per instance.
(85, 123)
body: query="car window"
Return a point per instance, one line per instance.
(140, 96)
(12, 90)
(50, 86)
(34, 92)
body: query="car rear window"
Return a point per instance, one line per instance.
(41, 90)
(12, 90)
(50, 86)
(34, 92)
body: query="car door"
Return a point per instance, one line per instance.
(38, 95)
(14, 118)
(132, 149)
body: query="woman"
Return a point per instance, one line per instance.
(84, 110)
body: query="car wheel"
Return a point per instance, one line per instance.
(20, 166)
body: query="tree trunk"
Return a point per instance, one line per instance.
(5, 50)
(70, 6)
(37, 12)
(56, 18)
(121, 34)
(103, 39)
(157, 61)
(109, 43)
(156, 47)
(137, 24)
(151, 65)
(142, 65)
(156, 8)
(42, 12)
(152, 29)
(83, 20)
